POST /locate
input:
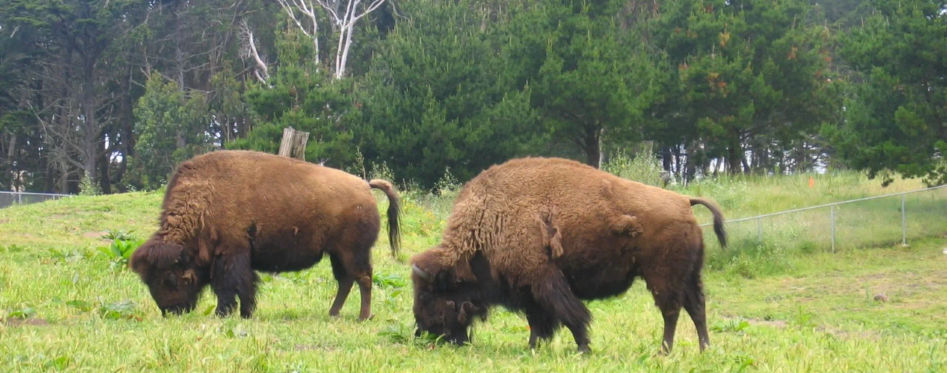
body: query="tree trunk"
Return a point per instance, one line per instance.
(592, 146)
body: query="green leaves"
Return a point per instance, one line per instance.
(121, 249)
(896, 115)
(122, 310)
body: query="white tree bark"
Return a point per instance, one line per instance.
(344, 15)
(354, 10)
(261, 72)
(306, 9)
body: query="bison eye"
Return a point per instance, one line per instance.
(171, 281)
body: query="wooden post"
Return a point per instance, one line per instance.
(293, 144)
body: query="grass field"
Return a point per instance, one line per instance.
(68, 302)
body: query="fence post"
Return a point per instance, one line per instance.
(293, 144)
(904, 227)
(833, 228)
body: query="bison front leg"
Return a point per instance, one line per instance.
(541, 325)
(232, 276)
(553, 294)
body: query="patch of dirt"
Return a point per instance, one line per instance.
(95, 235)
(32, 321)
(773, 323)
(841, 333)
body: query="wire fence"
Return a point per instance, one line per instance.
(895, 218)
(8, 199)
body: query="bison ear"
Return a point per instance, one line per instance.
(189, 277)
(467, 311)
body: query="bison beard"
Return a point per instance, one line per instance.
(229, 213)
(539, 234)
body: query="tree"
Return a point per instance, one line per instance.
(306, 98)
(740, 78)
(594, 78)
(19, 137)
(171, 127)
(442, 94)
(896, 118)
(70, 97)
(342, 15)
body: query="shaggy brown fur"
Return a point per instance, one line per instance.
(538, 234)
(228, 213)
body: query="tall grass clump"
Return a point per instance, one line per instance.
(642, 167)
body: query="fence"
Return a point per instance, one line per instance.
(872, 221)
(18, 198)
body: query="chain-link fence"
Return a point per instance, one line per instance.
(872, 221)
(19, 198)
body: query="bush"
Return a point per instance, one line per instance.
(642, 167)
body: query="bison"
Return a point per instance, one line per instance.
(228, 213)
(538, 234)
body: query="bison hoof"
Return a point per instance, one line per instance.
(365, 318)
(584, 349)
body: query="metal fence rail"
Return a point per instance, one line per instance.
(878, 220)
(19, 198)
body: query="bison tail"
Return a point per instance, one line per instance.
(718, 219)
(394, 211)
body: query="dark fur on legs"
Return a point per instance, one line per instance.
(554, 296)
(232, 277)
(541, 325)
(695, 306)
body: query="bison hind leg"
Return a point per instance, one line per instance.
(668, 299)
(553, 294)
(349, 268)
(695, 306)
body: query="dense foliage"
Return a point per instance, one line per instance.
(117, 92)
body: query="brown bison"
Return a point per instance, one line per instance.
(539, 234)
(228, 213)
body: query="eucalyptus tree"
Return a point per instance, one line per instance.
(339, 20)
(70, 94)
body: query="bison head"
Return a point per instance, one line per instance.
(446, 298)
(169, 272)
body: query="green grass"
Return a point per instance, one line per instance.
(67, 305)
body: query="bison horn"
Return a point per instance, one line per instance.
(420, 272)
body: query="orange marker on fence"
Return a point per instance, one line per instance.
(811, 182)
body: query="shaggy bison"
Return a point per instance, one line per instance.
(228, 213)
(539, 234)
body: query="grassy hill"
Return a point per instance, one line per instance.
(67, 301)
